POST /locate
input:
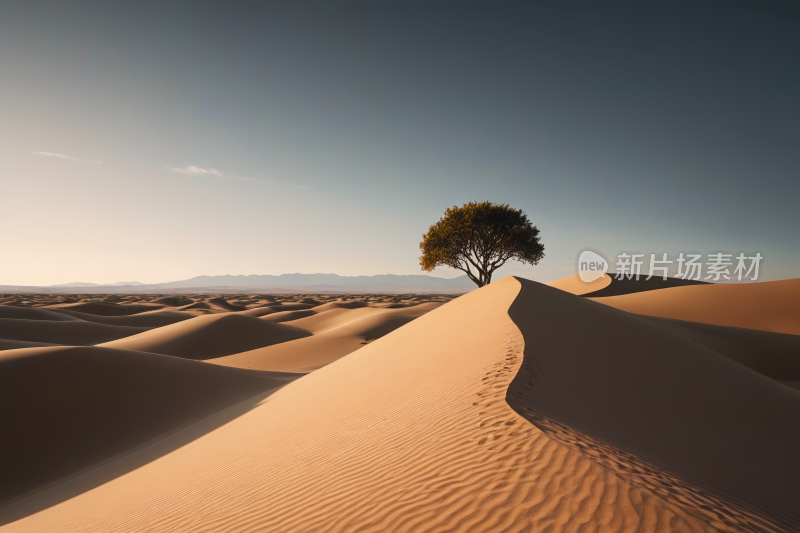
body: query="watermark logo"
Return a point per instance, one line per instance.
(591, 266)
(719, 266)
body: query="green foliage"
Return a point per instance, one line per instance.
(478, 238)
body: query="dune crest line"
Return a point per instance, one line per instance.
(665, 413)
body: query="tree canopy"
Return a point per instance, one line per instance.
(478, 238)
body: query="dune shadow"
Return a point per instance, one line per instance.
(118, 466)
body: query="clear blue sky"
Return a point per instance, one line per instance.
(648, 126)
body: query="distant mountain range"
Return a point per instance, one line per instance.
(388, 283)
(81, 284)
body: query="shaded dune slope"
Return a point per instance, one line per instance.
(661, 410)
(147, 319)
(106, 308)
(288, 306)
(210, 336)
(622, 286)
(775, 355)
(34, 313)
(284, 316)
(70, 408)
(13, 345)
(767, 306)
(411, 433)
(74, 333)
(173, 301)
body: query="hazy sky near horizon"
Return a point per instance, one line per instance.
(156, 141)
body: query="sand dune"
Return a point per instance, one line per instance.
(609, 285)
(209, 336)
(14, 345)
(410, 433)
(148, 319)
(768, 306)
(34, 313)
(106, 308)
(78, 407)
(223, 304)
(173, 301)
(573, 284)
(257, 311)
(661, 410)
(311, 353)
(775, 355)
(284, 316)
(289, 306)
(74, 333)
(618, 287)
(331, 319)
(330, 306)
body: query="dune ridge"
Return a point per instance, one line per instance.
(723, 445)
(210, 336)
(574, 285)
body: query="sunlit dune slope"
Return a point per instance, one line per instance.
(208, 336)
(664, 411)
(767, 306)
(310, 353)
(609, 285)
(75, 333)
(69, 408)
(409, 434)
(106, 308)
(574, 285)
(332, 318)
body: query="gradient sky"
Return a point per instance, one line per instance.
(339, 131)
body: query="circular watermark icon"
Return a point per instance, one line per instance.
(591, 266)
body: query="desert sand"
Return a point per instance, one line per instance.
(574, 285)
(337, 332)
(517, 408)
(206, 337)
(768, 306)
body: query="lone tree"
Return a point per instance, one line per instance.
(479, 238)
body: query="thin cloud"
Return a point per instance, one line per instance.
(190, 170)
(49, 154)
(197, 171)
